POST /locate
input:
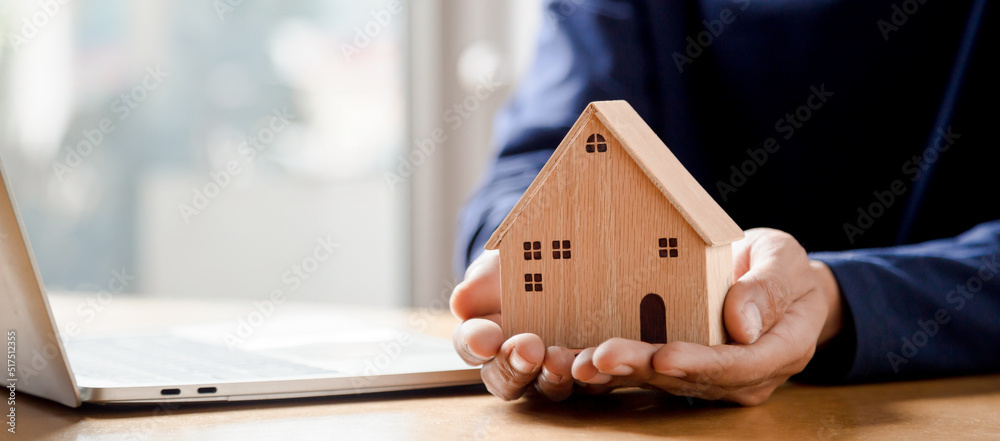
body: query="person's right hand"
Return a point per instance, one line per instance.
(509, 367)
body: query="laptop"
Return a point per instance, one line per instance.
(315, 355)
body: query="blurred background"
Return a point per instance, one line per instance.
(220, 148)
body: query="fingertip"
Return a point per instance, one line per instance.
(584, 370)
(483, 266)
(475, 298)
(484, 258)
(481, 339)
(753, 323)
(529, 348)
(742, 290)
(458, 302)
(744, 322)
(515, 367)
(742, 314)
(555, 381)
(608, 355)
(478, 294)
(559, 361)
(550, 377)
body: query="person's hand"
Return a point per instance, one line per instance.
(780, 308)
(509, 367)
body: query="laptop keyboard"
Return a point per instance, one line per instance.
(171, 360)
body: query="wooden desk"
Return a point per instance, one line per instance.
(958, 408)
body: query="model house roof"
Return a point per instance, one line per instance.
(705, 216)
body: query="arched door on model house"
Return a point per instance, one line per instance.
(653, 319)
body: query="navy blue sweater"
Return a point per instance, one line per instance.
(862, 127)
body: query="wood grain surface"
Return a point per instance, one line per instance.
(617, 205)
(958, 408)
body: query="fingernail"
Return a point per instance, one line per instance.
(674, 373)
(473, 354)
(600, 378)
(548, 376)
(620, 370)
(520, 363)
(754, 325)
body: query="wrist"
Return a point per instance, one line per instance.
(827, 284)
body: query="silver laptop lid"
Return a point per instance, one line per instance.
(39, 362)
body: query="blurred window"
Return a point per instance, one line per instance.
(199, 148)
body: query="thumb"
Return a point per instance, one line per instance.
(778, 275)
(478, 295)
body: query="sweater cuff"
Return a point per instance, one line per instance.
(850, 355)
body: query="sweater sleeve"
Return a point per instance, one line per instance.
(591, 52)
(923, 310)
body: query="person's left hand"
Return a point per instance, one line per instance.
(780, 307)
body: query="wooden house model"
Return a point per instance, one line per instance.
(615, 238)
